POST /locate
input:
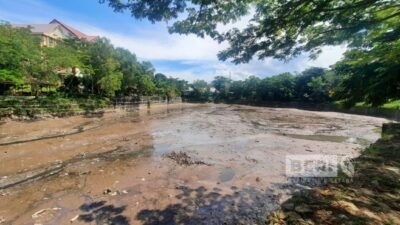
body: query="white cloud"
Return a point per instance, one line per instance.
(155, 43)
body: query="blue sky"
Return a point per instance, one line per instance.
(186, 57)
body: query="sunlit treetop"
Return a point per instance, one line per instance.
(279, 28)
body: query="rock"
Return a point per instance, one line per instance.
(303, 208)
(258, 179)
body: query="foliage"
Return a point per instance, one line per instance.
(199, 91)
(77, 68)
(284, 29)
(280, 28)
(312, 85)
(369, 75)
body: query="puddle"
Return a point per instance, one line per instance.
(329, 138)
(226, 175)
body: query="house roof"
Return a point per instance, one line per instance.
(74, 31)
(49, 28)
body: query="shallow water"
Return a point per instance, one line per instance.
(114, 169)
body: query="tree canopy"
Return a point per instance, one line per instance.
(283, 29)
(278, 28)
(76, 67)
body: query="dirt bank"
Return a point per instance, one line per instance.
(371, 196)
(115, 168)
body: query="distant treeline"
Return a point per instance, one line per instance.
(74, 68)
(312, 85)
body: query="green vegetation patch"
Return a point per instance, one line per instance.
(30, 106)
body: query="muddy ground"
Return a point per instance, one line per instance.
(188, 164)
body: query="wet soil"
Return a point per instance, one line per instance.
(144, 168)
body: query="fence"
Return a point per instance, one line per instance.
(135, 102)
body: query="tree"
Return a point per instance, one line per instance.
(200, 91)
(369, 75)
(283, 29)
(279, 29)
(312, 85)
(250, 88)
(18, 53)
(105, 67)
(130, 68)
(222, 86)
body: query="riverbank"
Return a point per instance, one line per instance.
(371, 196)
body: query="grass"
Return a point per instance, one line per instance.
(29, 106)
(394, 104)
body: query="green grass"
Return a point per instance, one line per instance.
(392, 105)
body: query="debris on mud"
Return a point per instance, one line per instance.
(42, 211)
(183, 159)
(108, 191)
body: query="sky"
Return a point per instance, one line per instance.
(184, 56)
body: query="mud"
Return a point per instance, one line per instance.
(186, 164)
(182, 159)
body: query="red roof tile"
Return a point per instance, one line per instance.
(76, 32)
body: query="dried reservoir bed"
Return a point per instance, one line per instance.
(187, 164)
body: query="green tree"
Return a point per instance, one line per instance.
(200, 91)
(283, 29)
(222, 86)
(312, 85)
(280, 28)
(369, 75)
(19, 52)
(105, 67)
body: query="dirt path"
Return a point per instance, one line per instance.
(220, 163)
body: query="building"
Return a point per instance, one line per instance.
(55, 31)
